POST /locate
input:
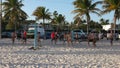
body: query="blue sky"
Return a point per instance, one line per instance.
(64, 7)
(61, 6)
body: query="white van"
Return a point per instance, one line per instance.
(81, 34)
(31, 29)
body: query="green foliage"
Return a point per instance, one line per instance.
(112, 5)
(84, 8)
(42, 13)
(13, 12)
(104, 22)
(10, 26)
(58, 21)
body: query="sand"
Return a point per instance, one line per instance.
(59, 55)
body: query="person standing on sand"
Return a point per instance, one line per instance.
(64, 38)
(52, 37)
(56, 37)
(24, 37)
(39, 41)
(21, 35)
(111, 37)
(76, 37)
(13, 35)
(92, 38)
(69, 39)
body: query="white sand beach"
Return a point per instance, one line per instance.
(79, 55)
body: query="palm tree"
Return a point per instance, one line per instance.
(42, 13)
(13, 12)
(104, 22)
(84, 8)
(112, 5)
(58, 20)
(77, 21)
(0, 17)
(55, 13)
(54, 18)
(61, 21)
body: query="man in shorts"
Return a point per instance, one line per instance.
(24, 37)
(52, 37)
(13, 37)
(111, 37)
(92, 38)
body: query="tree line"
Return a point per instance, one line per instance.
(15, 18)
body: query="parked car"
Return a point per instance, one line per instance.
(30, 34)
(19, 32)
(48, 35)
(6, 35)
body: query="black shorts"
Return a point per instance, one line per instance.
(111, 39)
(52, 39)
(92, 40)
(24, 38)
(76, 38)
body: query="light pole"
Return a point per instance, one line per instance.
(0, 16)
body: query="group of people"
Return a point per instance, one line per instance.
(66, 37)
(23, 36)
(92, 37)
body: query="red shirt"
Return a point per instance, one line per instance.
(53, 35)
(24, 34)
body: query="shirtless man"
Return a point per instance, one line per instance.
(13, 37)
(92, 38)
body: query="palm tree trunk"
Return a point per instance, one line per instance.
(15, 23)
(87, 27)
(15, 26)
(43, 23)
(0, 17)
(88, 22)
(114, 24)
(44, 27)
